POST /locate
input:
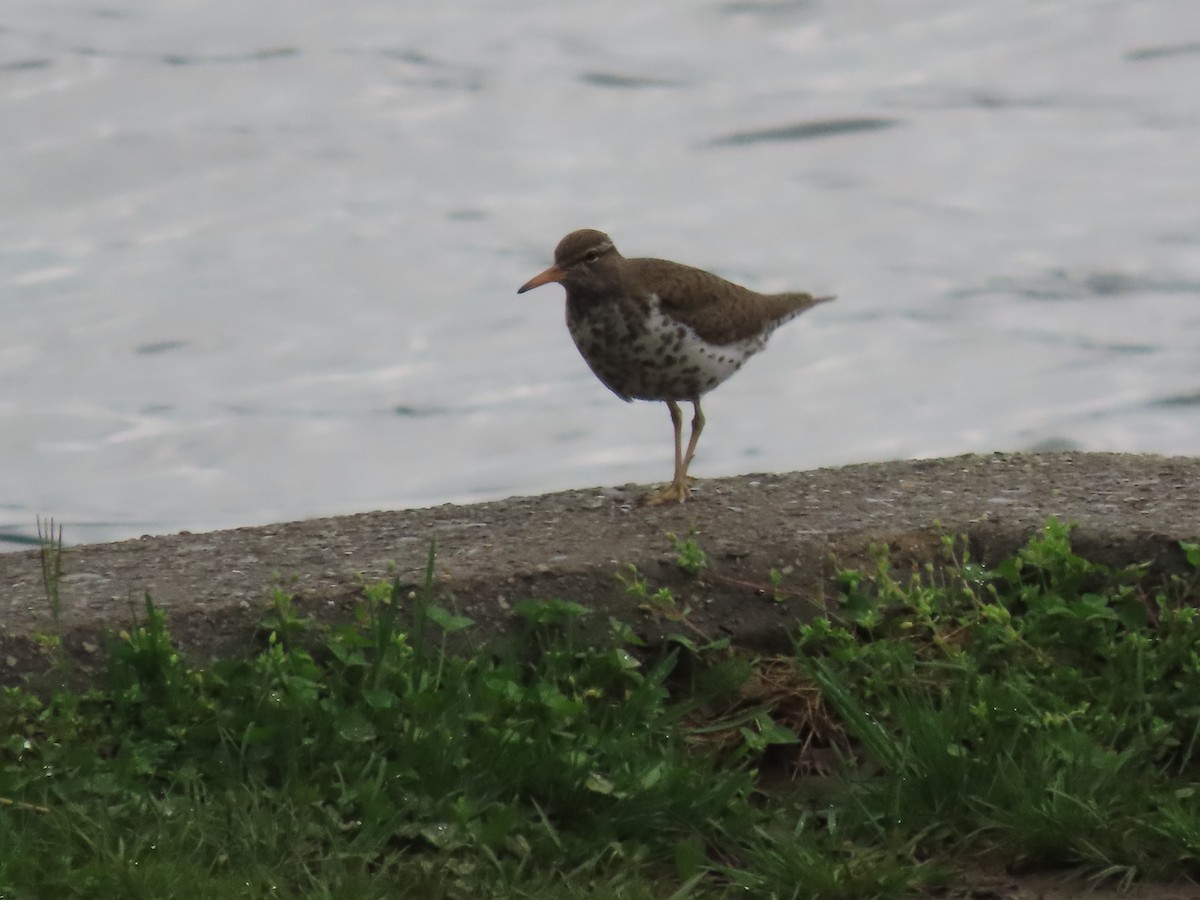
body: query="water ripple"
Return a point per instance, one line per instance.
(805, 131)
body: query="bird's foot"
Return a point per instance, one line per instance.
(675, 492)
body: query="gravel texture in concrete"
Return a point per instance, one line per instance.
(573, 545)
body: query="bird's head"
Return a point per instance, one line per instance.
(582, 259)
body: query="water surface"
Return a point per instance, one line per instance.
(258, 261)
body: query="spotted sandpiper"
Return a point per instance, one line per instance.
(657, 330)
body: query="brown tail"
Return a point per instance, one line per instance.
(804, 301)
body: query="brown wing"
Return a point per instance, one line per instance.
(719, 311)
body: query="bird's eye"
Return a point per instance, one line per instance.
(591, 256)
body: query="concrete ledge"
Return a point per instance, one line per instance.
(571, 545)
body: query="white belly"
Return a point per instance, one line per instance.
(652, 357)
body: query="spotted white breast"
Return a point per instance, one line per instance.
(651, 356)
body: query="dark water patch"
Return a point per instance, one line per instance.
(1176, 401)
(626, 82)
(804, 131)
(466, 215)
(991, 100)
(25, 540)
(24, 65)
(763, 7)
(435, 73)
(417, 412)
(416, 57)
(1107, 349)
(1124, 349)
(1164, 51)
(158, 347)
(1178, 238)
(286, 412)
(1096, 348)
(116, 15)
(1107, 284)
(182, 59)
(1053, 445)
(957, 96)
(268, 53)
(836, 181)
(1059, 284)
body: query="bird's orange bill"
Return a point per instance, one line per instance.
(554, 273)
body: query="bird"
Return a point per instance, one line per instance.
(651, 329)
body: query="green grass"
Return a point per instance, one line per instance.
(1047, 710)
(1043, 713)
